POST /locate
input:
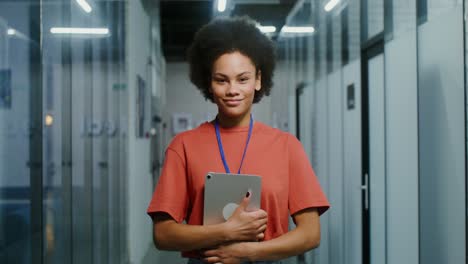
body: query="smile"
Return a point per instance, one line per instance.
(232, 102)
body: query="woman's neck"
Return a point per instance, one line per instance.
(229, 122)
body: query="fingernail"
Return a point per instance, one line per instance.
(247, 194)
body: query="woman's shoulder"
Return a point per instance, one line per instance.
(277, 134)
(272, 131)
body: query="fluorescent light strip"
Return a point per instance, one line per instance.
(267, 29)
(11, 32)
(287, 29)
(86, 7)
(330, 5)
(93, 31)
(222, 5)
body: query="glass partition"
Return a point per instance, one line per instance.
(63, 118)
(20, 133)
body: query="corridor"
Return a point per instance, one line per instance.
(93, 91)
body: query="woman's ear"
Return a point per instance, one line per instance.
(258, 81)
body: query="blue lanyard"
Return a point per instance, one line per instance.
(220, 145)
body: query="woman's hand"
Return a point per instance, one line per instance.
(244, 225)
(234, 253)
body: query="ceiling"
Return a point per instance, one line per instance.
(180, 19)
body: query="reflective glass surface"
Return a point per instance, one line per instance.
(62, 132)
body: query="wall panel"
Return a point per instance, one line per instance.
(441, 139)
(402, 148)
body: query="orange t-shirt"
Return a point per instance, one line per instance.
(289, 183)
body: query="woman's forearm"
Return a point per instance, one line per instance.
(290, 244)
(241, 226)
(170, 235)
(304, 237)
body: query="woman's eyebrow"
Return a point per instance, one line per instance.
(224, 75)
(218, 74)
(244, 73)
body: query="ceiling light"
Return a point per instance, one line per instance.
(330, 5)
(93, 31)
(86, 7)
(222, 5)
(267, 29)
(11, 32)
(287, 29)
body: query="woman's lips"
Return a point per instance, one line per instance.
(232, 102)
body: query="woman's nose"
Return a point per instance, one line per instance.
(233, 89)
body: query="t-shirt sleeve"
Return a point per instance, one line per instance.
(304, 187)
(171, 193)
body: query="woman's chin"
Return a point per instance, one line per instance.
(232, 113)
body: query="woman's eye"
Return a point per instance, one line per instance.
(243, 80)
(219, 80)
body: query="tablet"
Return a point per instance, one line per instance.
(224, 192)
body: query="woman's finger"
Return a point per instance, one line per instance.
(212, 260)
(260, 236)
(210, 253)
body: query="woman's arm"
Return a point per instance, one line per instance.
(304, 237)
(241, 226)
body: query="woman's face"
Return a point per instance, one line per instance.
(234, 81)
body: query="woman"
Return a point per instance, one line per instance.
(232, 64)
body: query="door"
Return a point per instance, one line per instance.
(374, 170)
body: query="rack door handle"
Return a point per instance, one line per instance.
(365, 188)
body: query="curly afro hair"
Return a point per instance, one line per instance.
(229, 35)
